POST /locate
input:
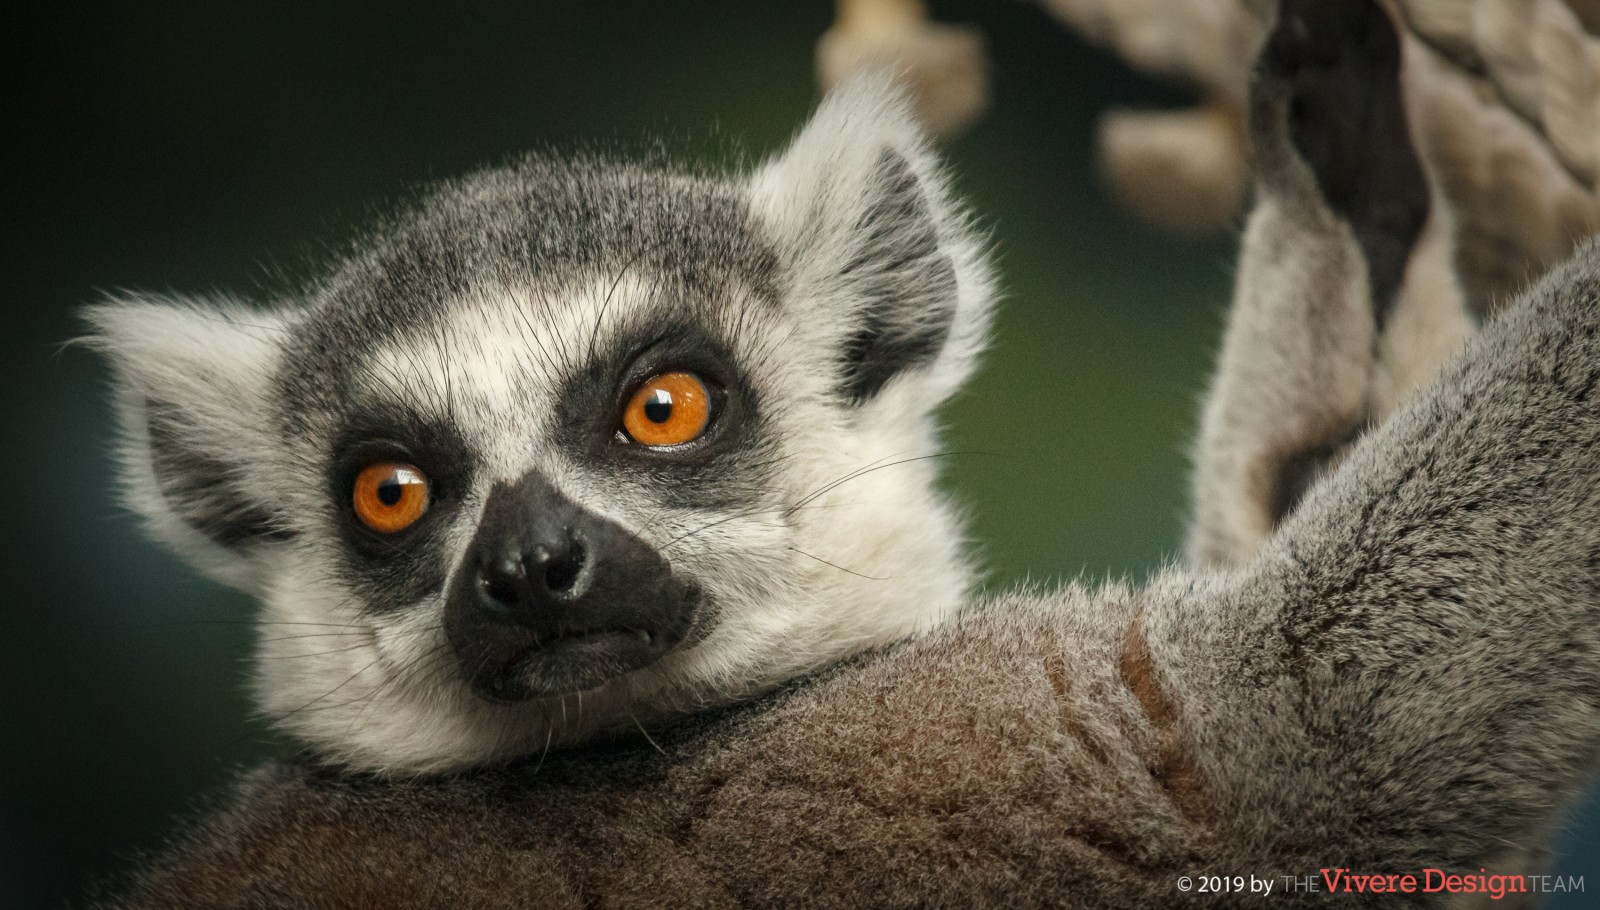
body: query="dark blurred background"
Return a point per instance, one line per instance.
(201, 147)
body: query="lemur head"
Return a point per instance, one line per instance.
(575, 443)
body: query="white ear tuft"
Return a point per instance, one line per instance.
(862, 214)
(193, 405)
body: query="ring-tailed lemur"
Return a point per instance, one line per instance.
(1406, 676)
(576, 443)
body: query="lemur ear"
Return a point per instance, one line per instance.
(863, 217)
(192, 386)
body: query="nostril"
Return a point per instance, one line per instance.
(505, 582)
(561, 572)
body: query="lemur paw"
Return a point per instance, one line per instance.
(1328, 81)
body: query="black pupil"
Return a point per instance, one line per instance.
(389, 492)
(658, 409)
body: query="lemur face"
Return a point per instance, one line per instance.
(575, 444)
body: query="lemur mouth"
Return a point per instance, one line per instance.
(508, 662)
(574, 662)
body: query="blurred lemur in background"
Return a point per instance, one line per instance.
(1404, 674)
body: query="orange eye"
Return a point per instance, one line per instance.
(390, 496)
(671, 409)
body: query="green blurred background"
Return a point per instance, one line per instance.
(201, 147)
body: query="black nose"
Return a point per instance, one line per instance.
(529, 582)
(553, 598)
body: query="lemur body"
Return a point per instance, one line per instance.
(1404, 675)
(484, 352)
(1406, 678)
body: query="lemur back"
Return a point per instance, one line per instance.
(576, 444)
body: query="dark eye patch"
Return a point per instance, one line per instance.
(719, 469)
(392, 570)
